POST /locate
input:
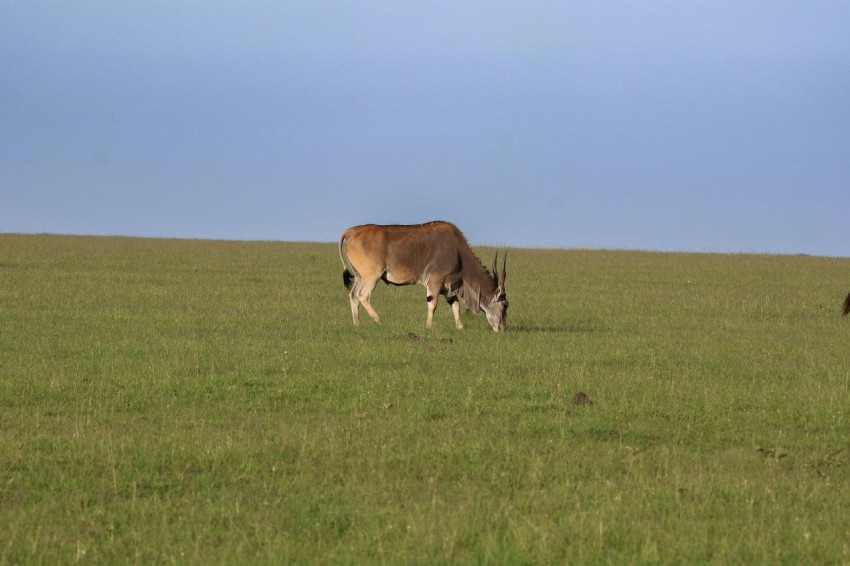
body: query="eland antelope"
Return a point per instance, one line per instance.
(435, 255)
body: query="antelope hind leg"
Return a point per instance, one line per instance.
(355, 306)
(364, 293)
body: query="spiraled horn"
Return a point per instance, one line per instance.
(504, 272)
(495, 275)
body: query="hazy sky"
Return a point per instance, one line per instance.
(670, 125)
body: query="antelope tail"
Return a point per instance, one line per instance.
(347, 277)
(846, 306)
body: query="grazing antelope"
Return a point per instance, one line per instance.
(434, 254)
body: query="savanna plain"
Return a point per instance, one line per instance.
(183, 401)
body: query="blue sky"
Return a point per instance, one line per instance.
(698, 126)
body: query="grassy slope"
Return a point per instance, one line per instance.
(197, 401)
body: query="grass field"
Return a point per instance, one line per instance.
(211, 402)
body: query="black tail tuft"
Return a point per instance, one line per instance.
(347, 279)
(846, 306)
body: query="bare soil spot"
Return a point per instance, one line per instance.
(413, 337)
(580, 399)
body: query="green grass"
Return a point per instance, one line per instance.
(211, 402)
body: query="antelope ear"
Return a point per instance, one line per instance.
(498, 293)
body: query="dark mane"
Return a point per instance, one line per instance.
(477, 281)
(846, 306)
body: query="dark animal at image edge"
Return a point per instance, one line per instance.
(435, 255)
(845, 306)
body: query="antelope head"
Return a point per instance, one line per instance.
(496, 306)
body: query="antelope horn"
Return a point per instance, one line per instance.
(495, 265)
(503, 274)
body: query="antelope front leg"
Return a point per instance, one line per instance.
(433, 294)
(432, 306)
(456, 310)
